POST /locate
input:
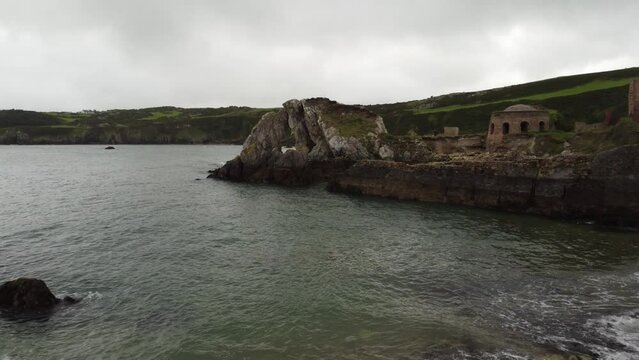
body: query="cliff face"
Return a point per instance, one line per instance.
(328, 137)
(603, 188)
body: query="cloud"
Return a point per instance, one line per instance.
(74, 54)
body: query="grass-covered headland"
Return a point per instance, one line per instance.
(164, 125)
(585, 98)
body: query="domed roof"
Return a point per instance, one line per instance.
(520, 107)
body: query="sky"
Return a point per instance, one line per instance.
(70, 55)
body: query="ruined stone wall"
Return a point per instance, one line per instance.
(451, 131)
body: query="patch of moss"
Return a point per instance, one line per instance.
(155, 115)
(355, 124)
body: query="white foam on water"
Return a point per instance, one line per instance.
(622, 329)
(502, 355)
(90, 296)
(93, 295)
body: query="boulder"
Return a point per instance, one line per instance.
(30, 295)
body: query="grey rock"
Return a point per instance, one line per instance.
(323, 130)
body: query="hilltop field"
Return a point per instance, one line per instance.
(585, 98)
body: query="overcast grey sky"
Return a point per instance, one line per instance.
(90, 54)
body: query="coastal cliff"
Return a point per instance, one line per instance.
(347, 146)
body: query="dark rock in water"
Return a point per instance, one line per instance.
(69, 300)
(211, 171)
(25, 294)
(109, 148)
(197, 179)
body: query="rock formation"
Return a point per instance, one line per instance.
(327, 137)
(31, 295)
(603, 188)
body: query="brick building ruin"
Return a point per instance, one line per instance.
(515, 120)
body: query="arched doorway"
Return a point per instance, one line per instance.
(524, 126)
(505, 128)
(542, 126)
(492, 128)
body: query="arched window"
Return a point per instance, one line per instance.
(492, 128)
(505, 128)
(524, 126)
(542, 126)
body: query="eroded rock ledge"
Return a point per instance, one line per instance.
(602, 188)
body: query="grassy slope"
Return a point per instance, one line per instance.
(585, 97)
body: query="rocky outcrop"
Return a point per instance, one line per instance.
(327, 137)
(28, 295)
(349, 146)
(603, 188)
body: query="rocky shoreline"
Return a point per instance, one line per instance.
(348, 147)
(603, 188)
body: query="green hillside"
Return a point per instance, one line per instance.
(586, 98)
(574, 98)
(144, 126)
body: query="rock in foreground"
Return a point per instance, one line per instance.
(30, 295)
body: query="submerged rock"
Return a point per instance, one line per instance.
(25, 294)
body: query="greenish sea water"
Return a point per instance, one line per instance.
(170, 267)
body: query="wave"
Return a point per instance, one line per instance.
(622, 331)
(90, 296)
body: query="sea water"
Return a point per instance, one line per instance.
(171, 267)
